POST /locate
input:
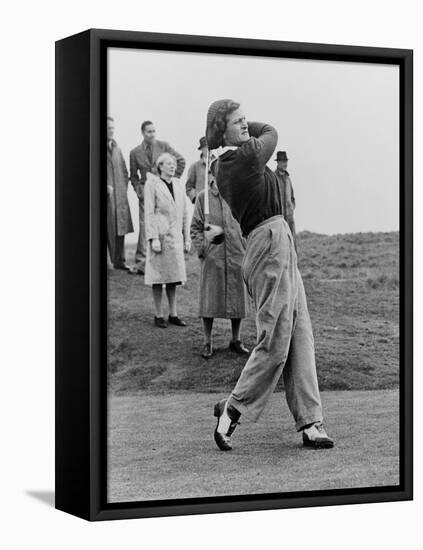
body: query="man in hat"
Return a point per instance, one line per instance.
(197, 173)
(119, 221)
(142, 159)
(285, 345)
(287, 191)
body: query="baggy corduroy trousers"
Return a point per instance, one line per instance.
(285, 344)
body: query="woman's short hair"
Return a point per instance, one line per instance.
(162, 158)
(217, 121)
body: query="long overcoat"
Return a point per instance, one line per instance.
(195, 179)
(167, 219)
(119, 215)
(222, 290)
(288, 199)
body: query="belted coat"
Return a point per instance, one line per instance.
(222, 290)
(166, 219)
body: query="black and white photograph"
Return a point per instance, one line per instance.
(253, 275)
(210, 237)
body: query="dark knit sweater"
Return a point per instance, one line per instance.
(249, 187)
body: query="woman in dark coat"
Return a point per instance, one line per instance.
(222, 290)
(119, 221)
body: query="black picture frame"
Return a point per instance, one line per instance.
(81, 283)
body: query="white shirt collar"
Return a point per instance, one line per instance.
(216, 153)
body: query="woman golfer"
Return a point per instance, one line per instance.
(285, 344)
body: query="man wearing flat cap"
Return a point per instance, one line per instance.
(197, 173)
(287, 191)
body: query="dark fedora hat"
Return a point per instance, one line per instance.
(281, 155)
(203, 143)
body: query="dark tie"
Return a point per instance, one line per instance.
(150, 154)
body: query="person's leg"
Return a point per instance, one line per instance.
(291, 224)
(173, 315)
(236, 329)
(299, 375)
(270, 277)
(262, 371)
(140, 253)
(284, 331)
(270, 272)
(157, 297)
(110, 250)
(109, 258)
(119, 259)
(111, 229)
(171, 296)
(207, 350)
(208, 327)
(235, 344)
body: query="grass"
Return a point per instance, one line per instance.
(352, 285)
(161, 447)
(383, 281)
(161, 392)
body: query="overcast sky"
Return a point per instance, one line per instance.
(338, 122)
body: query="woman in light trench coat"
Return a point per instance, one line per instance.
(222, 290)
(168, 236)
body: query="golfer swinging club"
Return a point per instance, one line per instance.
(285, 344)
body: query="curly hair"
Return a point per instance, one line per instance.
(162, 158)
(217, 121)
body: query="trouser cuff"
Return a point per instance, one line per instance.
(302, 422)
(243, 409)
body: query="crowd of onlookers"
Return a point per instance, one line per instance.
(167, 227)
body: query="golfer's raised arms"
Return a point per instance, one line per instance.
(246, 183)
(262, 142)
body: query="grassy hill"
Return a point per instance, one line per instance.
(352, 285)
